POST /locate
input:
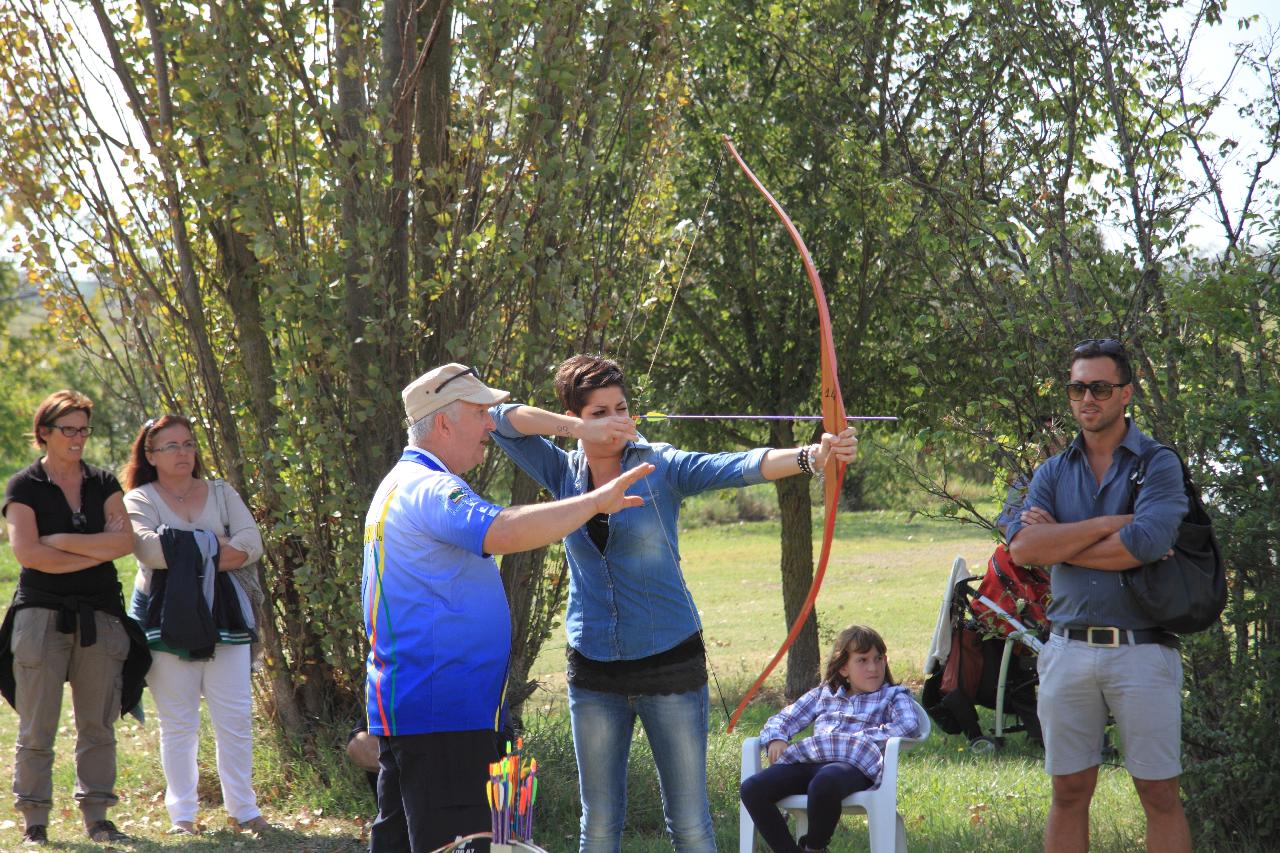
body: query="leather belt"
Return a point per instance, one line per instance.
(1111, 638)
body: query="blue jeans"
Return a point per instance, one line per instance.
(676, 726)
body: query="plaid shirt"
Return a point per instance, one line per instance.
(848, 727)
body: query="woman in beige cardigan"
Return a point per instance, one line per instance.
(166, 491)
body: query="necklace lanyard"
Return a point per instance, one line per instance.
(412, 454)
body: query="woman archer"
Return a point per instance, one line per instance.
(635, 643)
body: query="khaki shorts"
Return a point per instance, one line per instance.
(1141, 686)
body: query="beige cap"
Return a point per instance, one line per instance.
(437, 388)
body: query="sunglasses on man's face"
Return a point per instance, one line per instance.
(470, 371)
(1100, 390)
(1105, 346)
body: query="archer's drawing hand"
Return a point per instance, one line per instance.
(844, 446)
(613, 430)
(612, 496)
(775, 750)
(1036, 515)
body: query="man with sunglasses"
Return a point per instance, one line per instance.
(436, 614)
(1104, 656)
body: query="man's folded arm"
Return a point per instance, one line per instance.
(1047, 544)
(1109, 554)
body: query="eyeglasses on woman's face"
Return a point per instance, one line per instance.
(72, 432)
(187, 446)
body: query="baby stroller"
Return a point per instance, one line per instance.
(990, 629)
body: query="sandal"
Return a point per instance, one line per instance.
(257, 826)
(183, 827)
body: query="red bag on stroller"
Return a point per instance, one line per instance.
(1004, 607)
(1022, 592)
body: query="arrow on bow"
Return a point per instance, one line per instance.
(833, 418)
(663, 416)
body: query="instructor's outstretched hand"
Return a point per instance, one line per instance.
(612, 496)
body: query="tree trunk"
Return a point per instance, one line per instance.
(365, 404)
(239, 270)
(521, 575)
(797, 575)
(445, 314)
(397, 91)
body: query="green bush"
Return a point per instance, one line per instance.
(729, 506)
(885, 475)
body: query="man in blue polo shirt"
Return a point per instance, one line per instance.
(1105, 656)
(436, 615)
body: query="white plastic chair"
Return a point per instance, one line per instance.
(884, 821)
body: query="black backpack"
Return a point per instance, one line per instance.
(1187, 591)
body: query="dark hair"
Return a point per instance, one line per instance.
(139, 470)
(55, 406)
(855, 638)
(1105, 348)
(578, 376)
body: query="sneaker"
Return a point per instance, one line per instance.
(105, 832)
(35, 836)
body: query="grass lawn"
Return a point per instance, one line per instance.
(886, 571)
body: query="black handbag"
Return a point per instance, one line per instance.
(1187, 591)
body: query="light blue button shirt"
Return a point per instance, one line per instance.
(630, 601)
(1066, 488)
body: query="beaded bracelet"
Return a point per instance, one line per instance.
(813, 461)
(802, 459)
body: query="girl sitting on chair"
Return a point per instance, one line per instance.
(855, 710)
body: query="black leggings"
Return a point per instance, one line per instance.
(826, 786)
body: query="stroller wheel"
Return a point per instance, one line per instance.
(983, 745)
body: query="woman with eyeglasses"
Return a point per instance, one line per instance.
(67, 522)
(190, 535)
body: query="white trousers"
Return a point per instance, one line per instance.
(176, 687)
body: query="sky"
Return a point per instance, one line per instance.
(1210, 66)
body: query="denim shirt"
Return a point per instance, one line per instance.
(1066, 488)
(630, 601)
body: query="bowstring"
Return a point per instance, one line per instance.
(712, 188)
(688, 596)
(653, 360)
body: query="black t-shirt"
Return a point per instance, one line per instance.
(677, 670)
(32, 487)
